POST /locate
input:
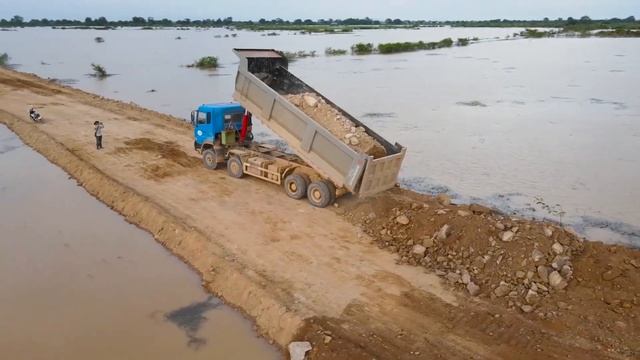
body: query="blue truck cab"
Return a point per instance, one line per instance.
(211, 120)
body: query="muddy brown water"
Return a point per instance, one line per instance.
(539, 127)
(79, 282)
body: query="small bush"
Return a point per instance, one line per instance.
(99, 39)
(206, 62)
(4, 59)
(99, 71)
(391, 48)
(291, 56)
(333, 52)
(362, 48)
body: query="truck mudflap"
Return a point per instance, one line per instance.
(381, 174)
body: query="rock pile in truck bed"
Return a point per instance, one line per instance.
(331, 119)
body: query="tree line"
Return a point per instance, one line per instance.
(578, 24)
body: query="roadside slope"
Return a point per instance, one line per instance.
(299, 272)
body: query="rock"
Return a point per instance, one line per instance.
(327, 339)
(507, 236)
(428, 242)
(402, 220)
(453, 277)
(441, 212)
(354, 141)
(464, 213)
(473, 289)
(560, 261)
(500, 226)
(444, 199)
(620, 325)
(532, 297)
(348, 136)
(543, 273)
(515, 229)
(298, 349)
(562, 305)
(310, 100)
(415, 206)
(536, 255)
(466, 278)
(557, 248)
(526, 308)
(520, 274)
(611, 274)
(371, 216)
(479, 209)
(548, 232)
(444, 232)
(634, 263)
(566, 271)
(530, 275)
(419, 250)
(556, 281)
(502, 289)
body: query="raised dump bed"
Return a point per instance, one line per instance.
(284, 103)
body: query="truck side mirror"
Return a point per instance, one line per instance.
(193, 118)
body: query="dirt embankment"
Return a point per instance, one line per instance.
(386, 277)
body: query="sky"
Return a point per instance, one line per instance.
(317, 9)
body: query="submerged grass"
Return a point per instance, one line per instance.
(4, 59)
(398, 47)
(362, 48)
(334, 52)
(99, 71)
(205, 62)
(292, 56)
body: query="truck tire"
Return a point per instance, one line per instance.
(209, 159)
(321, 193)
(234, 167)
(295, 185)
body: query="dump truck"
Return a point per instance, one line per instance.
(323, 166)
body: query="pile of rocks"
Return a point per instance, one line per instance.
(340, 126)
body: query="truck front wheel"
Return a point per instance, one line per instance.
(295, 185)
(209, 159)
(321, 193)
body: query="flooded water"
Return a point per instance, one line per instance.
(78, 282)
(548, 128)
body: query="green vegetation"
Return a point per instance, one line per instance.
(292, 56)
(99, 71)
(4, 59)
(618, 33)
(334, 52)
(362, 48)
(536, 34)
(206, 62)
(391, 48)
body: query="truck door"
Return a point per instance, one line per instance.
(203, 131)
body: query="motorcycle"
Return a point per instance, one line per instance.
(35, 116)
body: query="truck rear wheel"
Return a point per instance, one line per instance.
(295, 185)
(234, 167)
(209, 159)
(321, 193)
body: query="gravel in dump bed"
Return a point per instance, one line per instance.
(331, 119)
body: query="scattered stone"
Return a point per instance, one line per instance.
(479, 209)
(548, 231)
(566, 271)
(532, 297)
(419, 250)
(298, 349)
(611, 274)
(502, 289)
(444, 232)
(526, 308)
(464, 213)
(354, 141)
(327, 339)
(507, 236)
(310, 101)
(634, 263)
(428, 242)
(500, 226)
(621, 325)
(441, 212)
(536, 255)
(556, 281)
(557, 248)
(473, 289)
(453, 277)
(402, 220)
(559, 261)
(444, 199)
(543, 273)
(466, 278)
(562, 305)
(520, 274)
(415, 206)
(515, 229)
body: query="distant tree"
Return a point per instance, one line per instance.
(630, 18)
(545, 19)
(88, 21)
(262, 21)
(17, 20)
(585, 19)
(101, 21)
(397, 22)
(297, 21)
(138, 20)
(308, 22)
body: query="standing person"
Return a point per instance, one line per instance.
(98, 133)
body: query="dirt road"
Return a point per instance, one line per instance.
(354, 284)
